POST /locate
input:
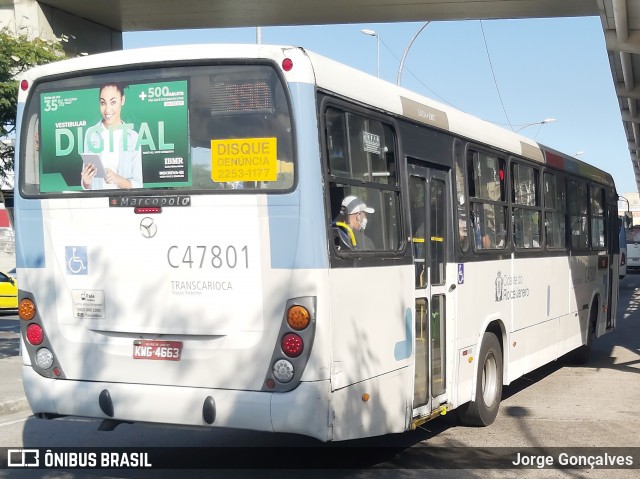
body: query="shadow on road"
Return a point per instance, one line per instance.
(9, 335)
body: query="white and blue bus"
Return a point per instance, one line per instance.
(622, 240)
(191, 246)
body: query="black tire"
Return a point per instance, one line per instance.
(580, 356)
(483, 411)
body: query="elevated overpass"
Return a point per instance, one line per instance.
(136, 15)
(98, 26)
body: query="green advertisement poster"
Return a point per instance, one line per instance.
(115, 136)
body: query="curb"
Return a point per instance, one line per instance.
(12, 406)
(12, 397)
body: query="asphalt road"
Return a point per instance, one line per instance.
(9, 335)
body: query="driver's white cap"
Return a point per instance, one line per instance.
(354, 205)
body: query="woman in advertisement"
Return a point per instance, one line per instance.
(111, 159)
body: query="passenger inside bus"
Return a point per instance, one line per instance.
(483, 228)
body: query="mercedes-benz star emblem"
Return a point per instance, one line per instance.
(148, 228)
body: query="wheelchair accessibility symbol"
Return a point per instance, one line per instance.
(76, 260)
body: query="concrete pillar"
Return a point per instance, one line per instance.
(77, 35)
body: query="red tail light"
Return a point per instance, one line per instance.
(35, 334)
(292, 345)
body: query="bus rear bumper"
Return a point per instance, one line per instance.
(301, 411)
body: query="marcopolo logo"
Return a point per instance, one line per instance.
(149, 201)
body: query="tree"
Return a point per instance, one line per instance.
(17, 54)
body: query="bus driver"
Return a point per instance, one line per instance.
(355, 211)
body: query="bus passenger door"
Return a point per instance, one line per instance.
(612, 228)
(430, 207)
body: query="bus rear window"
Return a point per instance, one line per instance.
(633, 236)
(207, 128)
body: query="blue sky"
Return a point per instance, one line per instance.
(544, 68)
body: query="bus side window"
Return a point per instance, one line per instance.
(578, 215)
(526, 202)
(361, 157)
(486, 180)
(555, 200)
(598, 233)
(337, 144)
(462, 204)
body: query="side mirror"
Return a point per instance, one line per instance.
(628, 219)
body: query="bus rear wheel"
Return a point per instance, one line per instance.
(580, 356)
(483, 411)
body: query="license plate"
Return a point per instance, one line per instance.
(157, 350)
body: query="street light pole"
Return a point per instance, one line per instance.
(620, 197)
(543, 122)
(627, 217)
(373, 33)
(406, 51)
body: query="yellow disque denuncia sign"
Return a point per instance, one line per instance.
(244, 159)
